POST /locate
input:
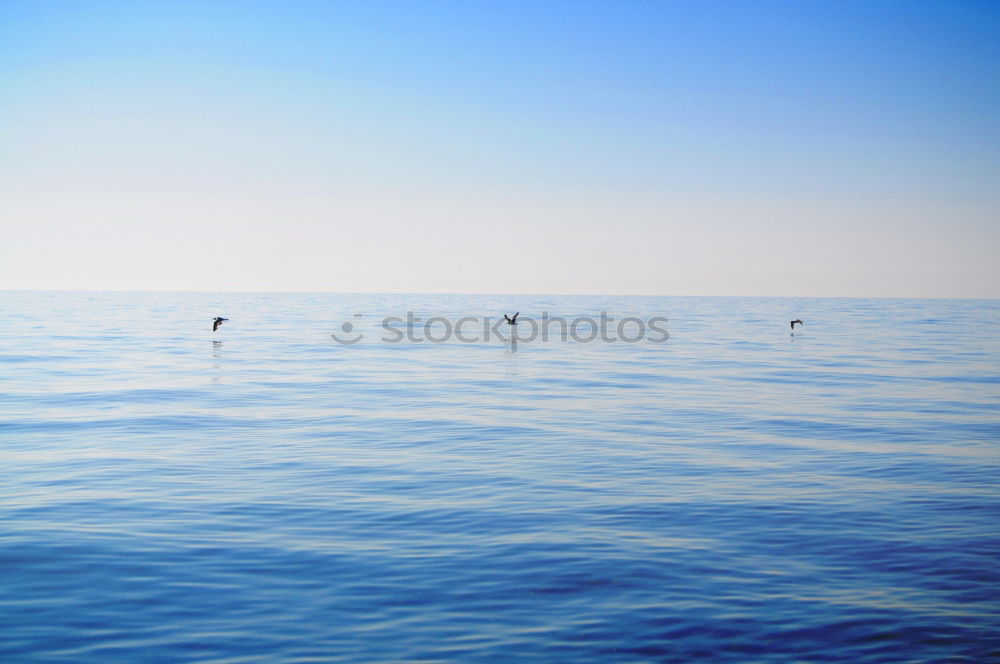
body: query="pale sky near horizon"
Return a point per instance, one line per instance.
(676, 148)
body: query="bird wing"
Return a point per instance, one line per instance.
(215, 325)
(516, 315)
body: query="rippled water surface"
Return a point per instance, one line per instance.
(265, 494)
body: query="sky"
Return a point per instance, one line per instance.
(677, 148)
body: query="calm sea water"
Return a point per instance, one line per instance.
(264, 494)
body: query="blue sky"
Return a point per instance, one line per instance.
(767, 148)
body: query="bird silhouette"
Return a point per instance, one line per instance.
(217, 322)
(796, 321)
(511, 321)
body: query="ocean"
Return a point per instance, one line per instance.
(728, 491)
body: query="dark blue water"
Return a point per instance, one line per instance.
(265, 494)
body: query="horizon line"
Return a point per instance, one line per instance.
(485, 294)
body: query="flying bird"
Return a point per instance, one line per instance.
(217, 322)
(511, 321)
(796, 321)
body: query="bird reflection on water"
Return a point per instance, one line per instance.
(217, 355)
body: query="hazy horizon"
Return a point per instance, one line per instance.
(484, 294)
(774, 149)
